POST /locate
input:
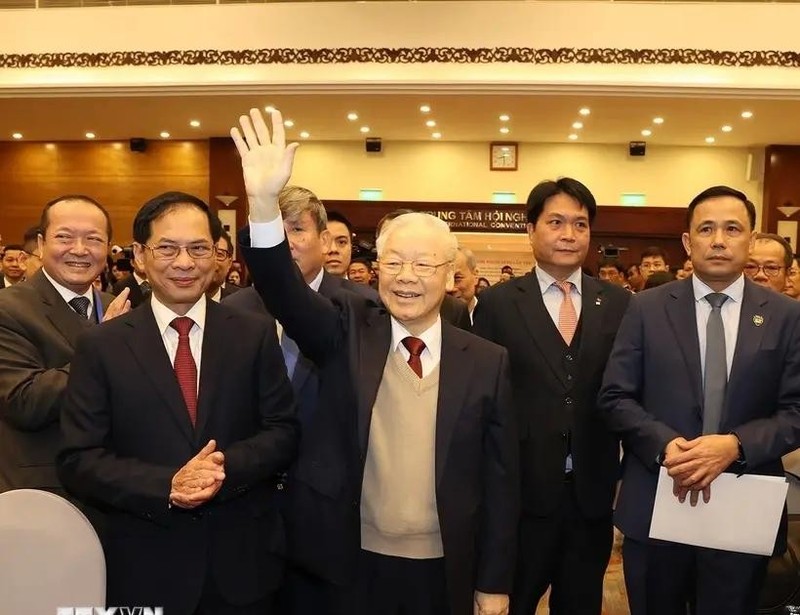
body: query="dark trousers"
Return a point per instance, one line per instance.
(212, 603)
(565, 552)
(663, 578)
(384, 586)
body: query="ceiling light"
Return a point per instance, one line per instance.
(194, 124)
(647, 132)
(436, 135)
(425, 108)
(658, 120)
(747, 114)
(727, 128)
(572, 137)
(364, 129)
(584, 111)
(164, 134)
(710, 139)
(90, 135)
(270, 109)
(505, 130)
(50, 146)
(352, 116)
(288, 123)
(17, 135)
(505, 118)
(305, 135)
(577, 125)
(430, 123)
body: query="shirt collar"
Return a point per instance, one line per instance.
(165, 316)
(318, 280)
(217, 296)
(546, 280)
(138, 279)
(432, 336)
(735, 290)
(67, 294)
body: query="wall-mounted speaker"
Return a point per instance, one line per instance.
(137, 144)
(637, 148)
(373, 144)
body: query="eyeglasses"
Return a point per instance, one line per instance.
(751, 270)
(170, 252)
(420, 269)
(222, 254)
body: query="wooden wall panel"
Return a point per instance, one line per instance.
(781, 185)
(31, 174)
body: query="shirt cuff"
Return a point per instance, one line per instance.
(267, 234)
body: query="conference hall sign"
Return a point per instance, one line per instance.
(486, 220)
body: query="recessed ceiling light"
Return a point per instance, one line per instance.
(572, 137)
(505, 118)
(747, 114)
(710, 139)
(194, 124)
(364, 129)
(305, 135)
(90, 135)
(726, 128)
(646, 132)
(17, 135)
(584, 111)
(658, 120)
(269, 109)
(505, 130)
(164, 134)
(352, 116)
(288, 123)
(430, 123)
(577, 125)
(425, 108)
(436, 135)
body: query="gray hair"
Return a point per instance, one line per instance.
(472, 263)
(433, 223)
(294, 200)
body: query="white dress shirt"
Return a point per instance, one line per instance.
(552, 295)
(68, 295)
(164, 317)
(432, 336)
(267, 234)
(731, 310)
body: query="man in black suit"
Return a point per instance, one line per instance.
(40, 320)
(178, 415)
(136, 283)
(404, 498)
(558, 326)
(704, 378)
(219, 289)
(12, 266)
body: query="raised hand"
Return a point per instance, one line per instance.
(266, 162)
(118, 306)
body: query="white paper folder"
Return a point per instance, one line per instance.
(743, 514)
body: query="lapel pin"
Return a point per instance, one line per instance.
(598, 301)
(758, 320)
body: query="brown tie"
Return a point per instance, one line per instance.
(567, 316)
(415, 346)
(185, 367)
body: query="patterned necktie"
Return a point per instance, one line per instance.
(145, 288)
(80, 305)
(185, 367)
(567, 316)
(715, 379)
(415, 346)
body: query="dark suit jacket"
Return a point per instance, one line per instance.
(127, 432)
(456, 313)
(228, 290)
(305, 379)
(38, 331)
(653, 392)
(136, 297)
(556, 412)
(349, 337)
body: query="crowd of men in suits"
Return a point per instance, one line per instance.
(312, 445)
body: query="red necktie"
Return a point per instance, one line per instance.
(185, 367)
(415, 346)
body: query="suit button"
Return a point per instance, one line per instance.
(568, 357)
(568, 401)
(569, 376)
(355, 503)
(280, 486)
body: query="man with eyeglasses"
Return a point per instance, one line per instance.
(179, 436)
(219, 289)
(33, 255)
(770, 259)
(404, 498)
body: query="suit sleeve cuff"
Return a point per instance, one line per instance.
(267, 234)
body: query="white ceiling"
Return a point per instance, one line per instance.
(459, 117)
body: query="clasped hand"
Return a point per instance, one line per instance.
(200, 479)
(694, 464)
